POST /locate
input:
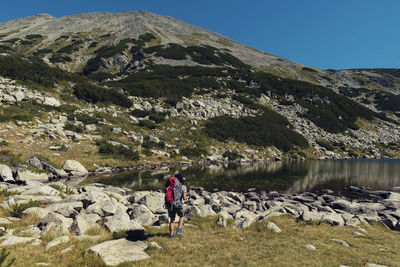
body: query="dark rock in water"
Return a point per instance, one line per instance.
(303, 199)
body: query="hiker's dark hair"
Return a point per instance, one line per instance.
(180, 177)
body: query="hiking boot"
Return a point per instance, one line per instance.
(179, 232)
(171, 236)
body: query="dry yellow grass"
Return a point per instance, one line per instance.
(210, 245)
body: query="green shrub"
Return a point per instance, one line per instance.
(100, 76)
(232, 155)
(267, 129)
(146, 123)
(72, 127)
(42, 51)
(59, 59)
(34, 70)
(9, 158)
(94, 94)
(33, 36)
(327, 109)
(19, 208)
(194, 152)
(84, 118)
(6, 193)
(326, 144)
(107, 148)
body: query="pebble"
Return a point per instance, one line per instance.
(358, 234)
(273, 227)
(310, 247)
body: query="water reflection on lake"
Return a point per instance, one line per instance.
(282, 176)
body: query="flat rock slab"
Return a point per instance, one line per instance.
(11, 240)
(115, 252)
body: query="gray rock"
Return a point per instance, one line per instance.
(121, 222)
(333, 219)
(6, 173)
(42, 191)
(55, 223)
(56, 242)
(106, 208)
(115, 252)
(68, 249)
(83, 222)
(345, 205)
(74, 167)
(341, 242)
(9, 240)
(311, 216)
(154, 201)
(155, 245)
(51, 101)
(358, 234)
(91, 197)
(40, 212)
(143, 215)
(242, 223)
(31, 231)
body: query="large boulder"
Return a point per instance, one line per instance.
(333, 219)
(91, 197)
(44, 190)
(106, 208)
(75, 168)
(36, 211)
(122, 222)
(83, 222)
(115, 252)
(51, 101)
(55, 223)
(143, 215)
(154, 201)
(6, 174)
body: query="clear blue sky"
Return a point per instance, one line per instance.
(334, 34)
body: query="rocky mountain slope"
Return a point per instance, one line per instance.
(128, 88)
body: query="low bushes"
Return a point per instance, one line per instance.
(267, 129)
(193, 151)
(94, 94)
(19, 208)
(106, 148)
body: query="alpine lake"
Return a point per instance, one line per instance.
(282, 176)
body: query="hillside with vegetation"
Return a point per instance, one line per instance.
(133, 87)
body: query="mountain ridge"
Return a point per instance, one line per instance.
(124, 81)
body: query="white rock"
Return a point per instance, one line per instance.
(115, 252)
(310, 247)
(273, 227)
(74, 166)
(57, 241)
(6, 173)
(51, 101)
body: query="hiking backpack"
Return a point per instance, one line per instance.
(172, 191)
